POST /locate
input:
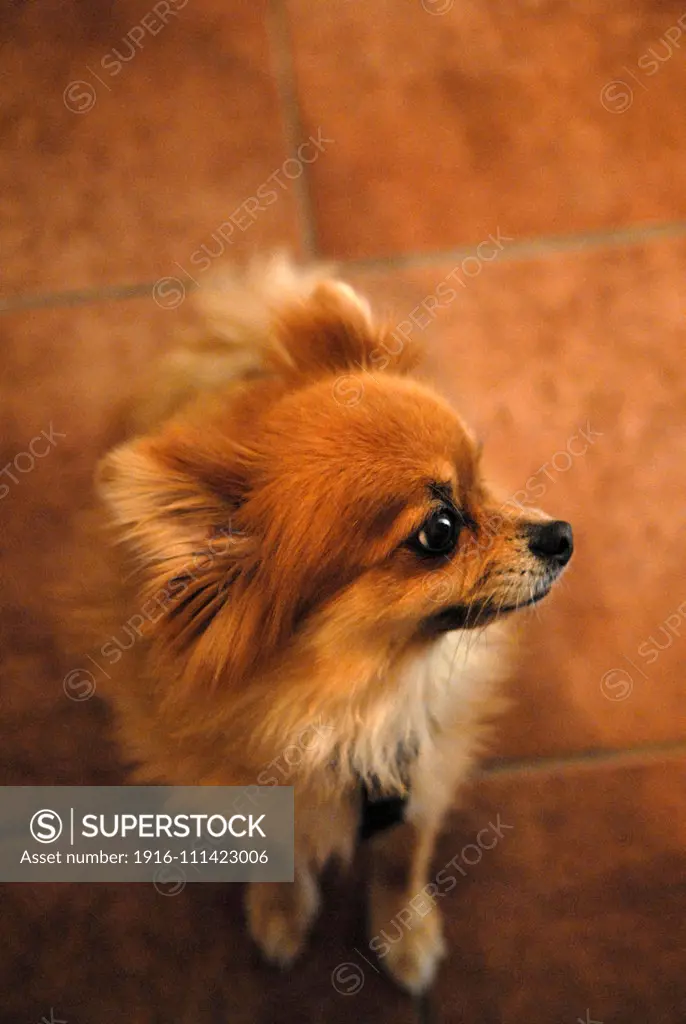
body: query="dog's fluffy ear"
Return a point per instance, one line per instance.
(300, 323)
(192, 564)
(161, 510)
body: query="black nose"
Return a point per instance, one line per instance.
(552, 541)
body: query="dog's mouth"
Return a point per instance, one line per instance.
(480, 613)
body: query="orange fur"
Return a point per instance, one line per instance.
(264, 525)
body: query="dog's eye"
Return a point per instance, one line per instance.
(438, 535)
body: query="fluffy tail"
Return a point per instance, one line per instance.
(239, 310)
(272, 318)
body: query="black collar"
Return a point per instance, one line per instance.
(380, 811)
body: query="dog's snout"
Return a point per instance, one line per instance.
(552, 541)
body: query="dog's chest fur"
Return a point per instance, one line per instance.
(447, 687)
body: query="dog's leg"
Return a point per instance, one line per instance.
(280, 914)
(405, 925)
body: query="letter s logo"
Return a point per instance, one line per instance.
(46, 826)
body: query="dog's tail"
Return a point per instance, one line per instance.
(240, 312)
(272, 318)
(242, 309)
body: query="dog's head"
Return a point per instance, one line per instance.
(320, 499)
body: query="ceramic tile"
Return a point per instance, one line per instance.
(452, 120)
(141, 141)
(577, 906)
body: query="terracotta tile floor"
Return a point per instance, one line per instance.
(538, 116)
(124, 156)
(555, 130)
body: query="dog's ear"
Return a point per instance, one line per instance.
(162, 511)
(334, 331)
(175, 506)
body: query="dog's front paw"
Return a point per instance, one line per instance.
(413, 956)
(280, 915)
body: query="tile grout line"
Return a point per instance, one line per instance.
(582, 759)
(284, 76)
(544, 245)
(530, 248)
(77, 297)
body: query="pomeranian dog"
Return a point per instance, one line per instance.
(319, 568)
